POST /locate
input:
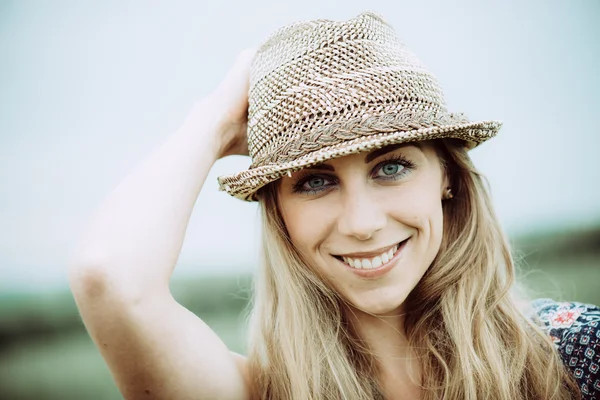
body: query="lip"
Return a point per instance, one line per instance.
(373, 273)
(368, 254)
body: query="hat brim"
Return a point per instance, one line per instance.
(245, 184)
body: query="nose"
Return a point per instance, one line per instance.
(361, 215)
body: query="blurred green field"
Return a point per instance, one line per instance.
(46, 354)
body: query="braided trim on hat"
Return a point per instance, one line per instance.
(357, 127)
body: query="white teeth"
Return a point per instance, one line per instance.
(385, 258)
(351, 262)
(391, 252)
(375, 262)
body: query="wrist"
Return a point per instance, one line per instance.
(205, 120)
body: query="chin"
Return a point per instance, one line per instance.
(387, 303)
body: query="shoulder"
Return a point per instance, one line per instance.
(575, 330)
(566, 317)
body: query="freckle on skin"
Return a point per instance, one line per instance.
(147, 391)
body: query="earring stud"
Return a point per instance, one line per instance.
(447, 194)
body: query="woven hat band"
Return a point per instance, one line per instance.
(406, 117)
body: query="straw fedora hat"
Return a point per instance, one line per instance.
(324, 89)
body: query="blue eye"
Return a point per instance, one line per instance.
(315, 182)
(390, 169)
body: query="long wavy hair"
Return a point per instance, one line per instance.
(465, 323)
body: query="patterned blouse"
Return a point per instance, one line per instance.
(575, 329)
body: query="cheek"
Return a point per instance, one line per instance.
(307, 226)
(418, 203)
(421, 210)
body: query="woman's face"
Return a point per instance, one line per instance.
(370, 223)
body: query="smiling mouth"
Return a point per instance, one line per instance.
(374, 261)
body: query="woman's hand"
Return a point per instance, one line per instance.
(227, 105)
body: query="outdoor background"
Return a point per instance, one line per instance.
(88, 89)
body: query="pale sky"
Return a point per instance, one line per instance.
(87, 89)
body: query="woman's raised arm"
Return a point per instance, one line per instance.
(120, 271)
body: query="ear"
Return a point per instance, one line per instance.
(443, 164)
(445, 181)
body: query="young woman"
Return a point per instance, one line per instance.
(385, 272)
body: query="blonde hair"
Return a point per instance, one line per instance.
(471, 337)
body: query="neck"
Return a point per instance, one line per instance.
(384, 336)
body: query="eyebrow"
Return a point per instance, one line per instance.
(388, 149)
(372, 155)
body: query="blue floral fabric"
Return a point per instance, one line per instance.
(575, 330)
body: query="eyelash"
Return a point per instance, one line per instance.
(397, 159)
